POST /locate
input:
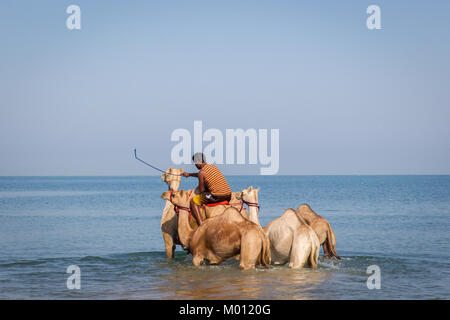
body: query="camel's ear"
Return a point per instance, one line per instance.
(166, 195)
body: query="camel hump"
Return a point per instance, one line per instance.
(233, 214)
(289, 213)
(304, 207)
(291, 218)
(300, 217)
(307, 212)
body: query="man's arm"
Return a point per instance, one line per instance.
(201, 181)
(187, 174)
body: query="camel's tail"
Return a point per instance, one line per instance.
(314, 255)
(331, 242)
(265, 250)
(255, 248)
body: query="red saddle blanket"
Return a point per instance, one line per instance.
(217, 203)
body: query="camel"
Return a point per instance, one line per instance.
(322, 228)
(221, 237)
(169, 226)
(291, 238)
(168, 218)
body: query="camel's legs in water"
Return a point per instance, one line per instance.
(197, 260)
(326, 249)
(169, 244)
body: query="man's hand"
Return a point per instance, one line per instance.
(185, 174)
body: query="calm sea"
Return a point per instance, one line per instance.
(110, 228)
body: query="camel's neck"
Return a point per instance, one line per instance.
(184, 228)
(167, 212)
(174, 185)
(253, 215)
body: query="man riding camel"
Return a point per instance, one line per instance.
(212, 185)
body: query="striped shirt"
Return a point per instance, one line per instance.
(215, 181)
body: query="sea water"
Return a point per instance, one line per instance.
(110, 228)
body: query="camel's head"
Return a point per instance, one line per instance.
(235, 196)
(179, 198)
(249, 195)
(172, 181)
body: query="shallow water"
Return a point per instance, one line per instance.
(109, 227)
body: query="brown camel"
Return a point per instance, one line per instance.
(291, 238)
(221, 237)
(169, 227)
(322, 228)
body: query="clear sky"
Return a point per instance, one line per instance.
(347, 100)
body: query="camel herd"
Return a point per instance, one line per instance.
(229, 231)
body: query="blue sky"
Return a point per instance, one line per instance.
(347, 100)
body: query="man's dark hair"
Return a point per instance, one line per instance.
(199, 158)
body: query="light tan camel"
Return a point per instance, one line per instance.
(169, 217)
(322, 228)
(169, 227)
(291, 238)
(221, 237)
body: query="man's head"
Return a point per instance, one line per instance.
(199, 160)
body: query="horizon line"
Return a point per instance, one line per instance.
(237, 175)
